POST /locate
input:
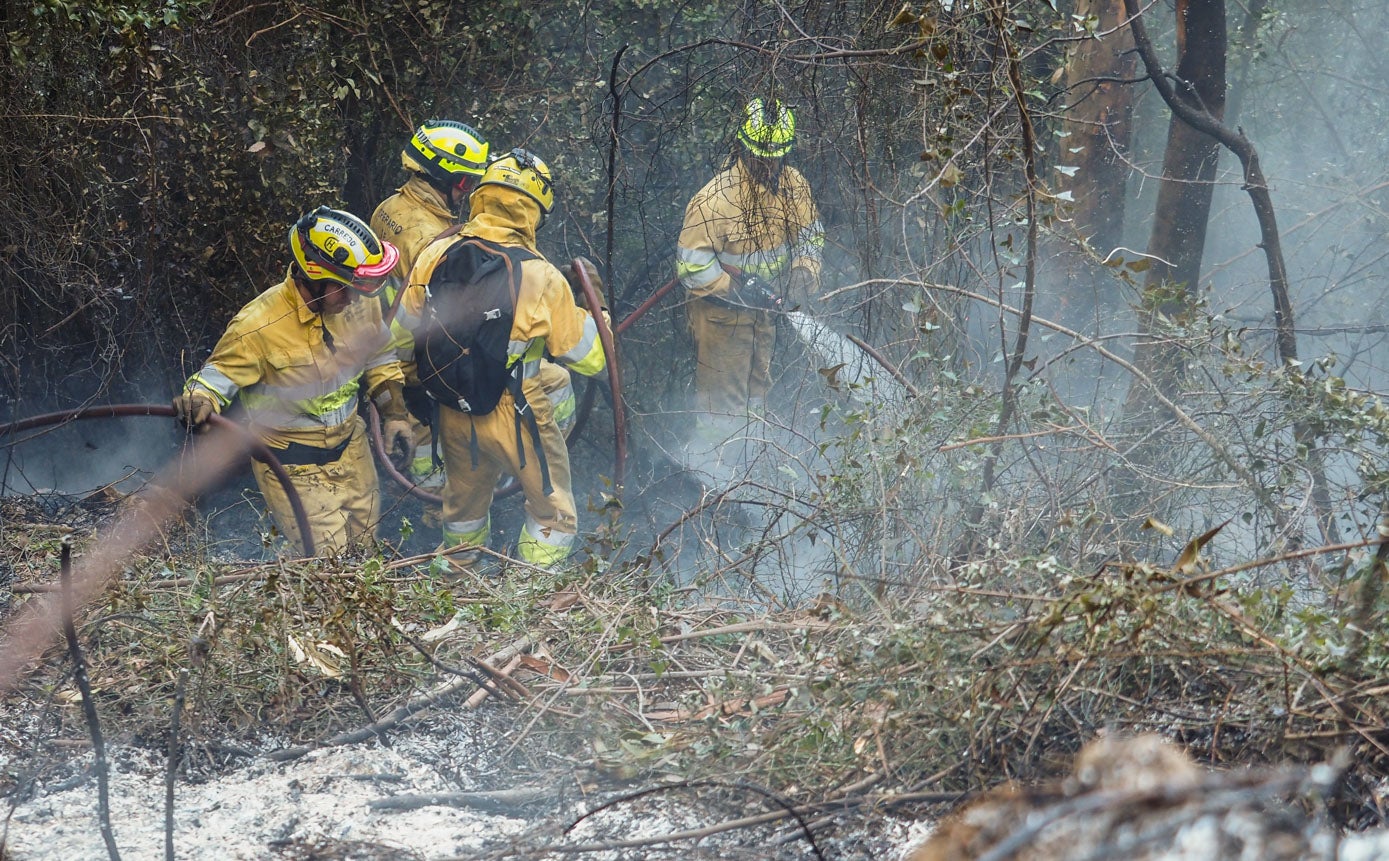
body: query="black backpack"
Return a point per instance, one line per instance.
(461, 347)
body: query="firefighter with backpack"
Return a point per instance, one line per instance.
(444, 161)
(490, 307)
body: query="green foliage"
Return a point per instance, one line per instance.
(158, 150)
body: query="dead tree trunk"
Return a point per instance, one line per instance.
(1178, 237)
(1093, 160)
(1099, 124)
(1209, 125)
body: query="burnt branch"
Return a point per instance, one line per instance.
(84, 687)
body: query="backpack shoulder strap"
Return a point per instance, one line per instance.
(515, 253)
(451, 230)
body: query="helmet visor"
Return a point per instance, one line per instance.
(369, 278)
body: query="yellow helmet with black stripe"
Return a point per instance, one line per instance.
(768, 130)
(445, 151)
(527, 173)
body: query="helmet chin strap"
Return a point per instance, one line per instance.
(766, 172)
(317, 290)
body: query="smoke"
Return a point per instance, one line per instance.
(81, 457)
(30, 631)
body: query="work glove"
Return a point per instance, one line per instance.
(802, 285)
(596, 280)
(400, 443)
(193, 411)
(752, 292)
(396, 433)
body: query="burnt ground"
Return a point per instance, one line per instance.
(234, 798)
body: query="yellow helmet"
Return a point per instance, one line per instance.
(768, 131)
(527, 173)
(445, 150)
(332, 245)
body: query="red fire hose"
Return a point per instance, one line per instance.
(647, 305)
(259, 450)
(605, 334)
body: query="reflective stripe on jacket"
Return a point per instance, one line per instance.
(293, 384)
(733, 220)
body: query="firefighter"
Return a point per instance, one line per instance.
(296, 355)
(444, 160)
(757, 217)
(510, 204)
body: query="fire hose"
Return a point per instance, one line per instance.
(605, 335)
(263, 453)
(587, 406)
(259, 450)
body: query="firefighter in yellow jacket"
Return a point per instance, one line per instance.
(296, 355)
(445, 161)
(510, 204)
(758, 218)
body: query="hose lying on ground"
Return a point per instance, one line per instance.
(259, 450)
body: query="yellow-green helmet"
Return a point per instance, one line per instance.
(332, 245)
(768, 131)
(445, 150)
(527, 173)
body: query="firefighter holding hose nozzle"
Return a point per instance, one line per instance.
(758, 219)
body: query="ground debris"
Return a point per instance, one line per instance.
(341, 850)
(496, 801)
(1143, 799)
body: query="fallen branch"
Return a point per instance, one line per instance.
(735, 706)
(411, 708)
(502, 678)
(750, 627)
(496, 801)
(503, 675)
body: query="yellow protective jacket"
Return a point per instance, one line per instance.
(296, 384)
(546, 316)
(409, 220)
(734, 220)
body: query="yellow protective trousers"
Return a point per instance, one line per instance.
(558, 386)
(552, 523)
(342, 499)
(733, 350)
